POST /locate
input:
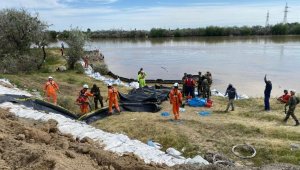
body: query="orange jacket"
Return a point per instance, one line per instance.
(51, 87)
(113, 94)
(190, 82)
(175, 97)
(84, 97)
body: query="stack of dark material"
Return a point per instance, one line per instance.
(144, 95)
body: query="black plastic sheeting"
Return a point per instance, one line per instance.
(37, 104)
(41, 105)
(155, 94)
(131, 107)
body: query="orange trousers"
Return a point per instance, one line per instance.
(52, 96)
(176, 111)
(110, 105)
(84, 109)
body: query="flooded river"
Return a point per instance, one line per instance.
(242, 61)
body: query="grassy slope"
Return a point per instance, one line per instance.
(217, 132)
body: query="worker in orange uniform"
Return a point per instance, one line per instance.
(176, 100)
(83, 99)
(112, 97)
(50, 89)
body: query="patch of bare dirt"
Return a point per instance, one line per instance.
(27, 144)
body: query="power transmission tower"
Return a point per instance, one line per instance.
(267, 20)
(285, 13)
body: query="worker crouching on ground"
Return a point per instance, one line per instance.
(231, 92)
(292, 103)
(112, 97)
(285, 97)
(176, 100)
(83, 99)
(50, 89)
(97, 96)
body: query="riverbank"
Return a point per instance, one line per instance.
(196, 134)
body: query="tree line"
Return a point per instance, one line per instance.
(278, 29)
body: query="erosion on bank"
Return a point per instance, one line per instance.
(28, 144)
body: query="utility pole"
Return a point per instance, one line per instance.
(267, 20)
(285, 13)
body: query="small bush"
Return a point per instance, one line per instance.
(79, 68)
(101, 68)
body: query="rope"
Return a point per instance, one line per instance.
(244, 157)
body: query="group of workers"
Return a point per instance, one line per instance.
(203, 85)
(51, 88)
(290, 101)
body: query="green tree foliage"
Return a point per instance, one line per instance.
(19, 30)
(280, 29)
(75, 41)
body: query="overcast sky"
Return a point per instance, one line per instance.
(146, 14)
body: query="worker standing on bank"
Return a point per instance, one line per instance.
(190, 87)
(112, 97)
(267, 93)
(142, 79)
(50, 89)
(176, 100)
(231, 92)
(292, 103)
(83, 100)
(97, 96)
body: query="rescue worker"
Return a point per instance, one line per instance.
(231, 92)
(83, 99)
(183, 84)
(285, 97)
(86, 62)
(142, 79)
(292, 103)
(199, 87)
(112, 97)
(97, 96)
(50, 89)
(209, 78)
(267, 93)
(206, 88)
(139, 72)
(190, 86)
(176, 100)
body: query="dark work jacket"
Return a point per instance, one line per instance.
(96, 92)
(231, 93)
(268, 89)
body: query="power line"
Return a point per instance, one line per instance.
(267, 19)
(285, 13)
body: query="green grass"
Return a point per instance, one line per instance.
(218, 132)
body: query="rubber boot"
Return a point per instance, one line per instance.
(297, 123)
